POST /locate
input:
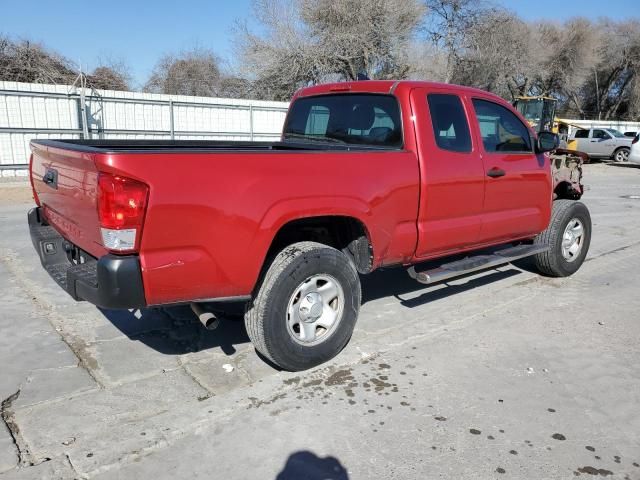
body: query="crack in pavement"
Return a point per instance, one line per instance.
(7, 415)
(75, 344)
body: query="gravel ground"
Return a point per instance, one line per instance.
(505, 374)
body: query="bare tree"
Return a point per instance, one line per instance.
(448, 25)
(281, 58)
(370, 37)
(497, 55)
(427, 62)
(305, 41)
(612, 88)
(110, 75)
(192, 72)
(570, 52)
(25, 61)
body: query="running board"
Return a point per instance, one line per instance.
(475, 263)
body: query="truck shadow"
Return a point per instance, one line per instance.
(177, 331)
(625, 165)
(396, 282)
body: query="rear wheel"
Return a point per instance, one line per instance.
(306, 306)
(621, 155)
(568, 237)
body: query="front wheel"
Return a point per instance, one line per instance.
(621, 155)
(306, 306)
(568, 237)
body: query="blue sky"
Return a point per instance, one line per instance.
(139, 32)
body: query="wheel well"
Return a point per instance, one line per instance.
(567, 191)
(346, 234)
(620, 148)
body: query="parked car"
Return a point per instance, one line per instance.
(634, 154)
(603, 143)
(367, 174)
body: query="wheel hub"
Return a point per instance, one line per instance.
(311, 307)
(572, 240)
(315, 309)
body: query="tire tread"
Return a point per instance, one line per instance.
(549, 262)
(255, 310)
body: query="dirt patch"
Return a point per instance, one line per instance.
(15, 194)
(595, 471)
(341, 377)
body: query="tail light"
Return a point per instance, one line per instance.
(33, 190)
(122, 203)
(635, 139)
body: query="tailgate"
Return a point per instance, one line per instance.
(65, 182)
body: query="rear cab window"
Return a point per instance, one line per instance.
(353, 119)
(449, 121)
(501, 130)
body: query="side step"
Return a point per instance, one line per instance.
(475, 263)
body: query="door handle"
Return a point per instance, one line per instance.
(496, 172)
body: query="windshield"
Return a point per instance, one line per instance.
(531, 110)
(362, 119)
(614, 132)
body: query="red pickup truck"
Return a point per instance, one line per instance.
(366, 175)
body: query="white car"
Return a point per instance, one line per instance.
(634, 153)
(603, 143)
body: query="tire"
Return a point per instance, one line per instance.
(559, 261)
(297, 274)
(621, 155)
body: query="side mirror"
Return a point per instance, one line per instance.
(546, 142)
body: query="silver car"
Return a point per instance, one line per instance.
(634, 154)
(603, 143)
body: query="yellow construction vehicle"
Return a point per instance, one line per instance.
(566, 162)
(540, 112)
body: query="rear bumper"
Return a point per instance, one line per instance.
(111, 281)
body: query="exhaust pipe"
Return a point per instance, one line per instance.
(208, 319)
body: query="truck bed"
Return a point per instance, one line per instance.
(209, 197)
(172, 146)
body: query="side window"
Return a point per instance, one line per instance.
(501, 130)
(601, 134)
(449, 121)
(582, 134)
(317, 121)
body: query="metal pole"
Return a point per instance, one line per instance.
(251, 122)
(83, 114)
(171, 125)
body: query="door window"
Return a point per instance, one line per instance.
(601, 134)
(582, 134)
(449, 122)
(501, 130)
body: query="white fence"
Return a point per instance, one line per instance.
(29, 111)
(621, 126)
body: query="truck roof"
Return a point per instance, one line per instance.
(386, 86)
